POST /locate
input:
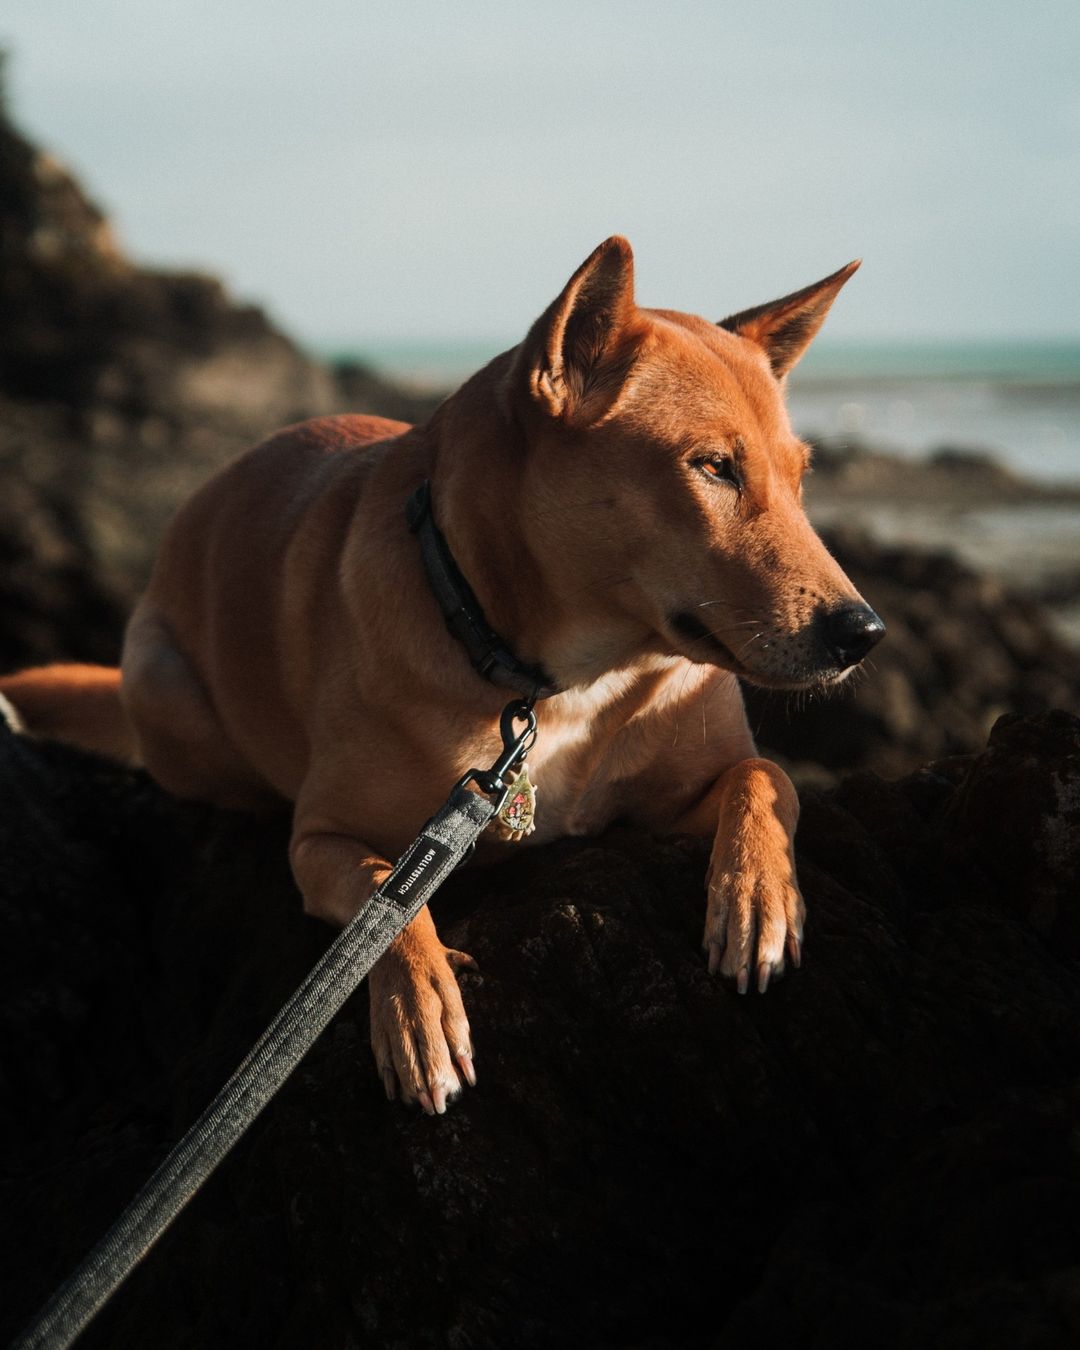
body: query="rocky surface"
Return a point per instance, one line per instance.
(851, 471)
(881, 1150)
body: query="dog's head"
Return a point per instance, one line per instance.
(663, 474)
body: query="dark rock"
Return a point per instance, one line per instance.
(53, 602)
(848, 469)
(880, 1151)
(1021, 822)
(1060, 588)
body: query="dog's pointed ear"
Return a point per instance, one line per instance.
(578, 352)
(786, 327)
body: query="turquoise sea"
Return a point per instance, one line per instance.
(1018, 400)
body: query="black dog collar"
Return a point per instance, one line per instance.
(490, 655)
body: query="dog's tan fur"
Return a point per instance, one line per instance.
(289, 646)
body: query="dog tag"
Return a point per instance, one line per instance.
(517, 817)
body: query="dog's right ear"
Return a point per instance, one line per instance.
(577, 354)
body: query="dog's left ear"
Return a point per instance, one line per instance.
(786, 327)
(578, 352)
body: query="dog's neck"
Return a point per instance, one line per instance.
(478, 455)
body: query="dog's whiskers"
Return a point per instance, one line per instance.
(741, 652)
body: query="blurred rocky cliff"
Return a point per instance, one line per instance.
(121, 389)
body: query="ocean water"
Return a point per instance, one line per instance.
(1019, 401)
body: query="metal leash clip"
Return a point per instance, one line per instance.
(516, 745)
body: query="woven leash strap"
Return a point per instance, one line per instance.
(443, 843)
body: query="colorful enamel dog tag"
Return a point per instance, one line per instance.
(518, 815)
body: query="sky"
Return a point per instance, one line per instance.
(437, 170)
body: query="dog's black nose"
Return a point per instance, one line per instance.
(849, 632)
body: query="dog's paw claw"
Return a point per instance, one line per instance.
(468, 1071)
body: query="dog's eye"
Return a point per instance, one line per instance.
(722, 468)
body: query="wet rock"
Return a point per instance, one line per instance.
(881, 1149)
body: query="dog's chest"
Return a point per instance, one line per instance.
(564, 773)
(589, 744)
(640, 745)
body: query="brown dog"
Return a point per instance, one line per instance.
(622, 493)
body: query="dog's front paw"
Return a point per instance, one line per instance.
(755, 916)
(419, 1032)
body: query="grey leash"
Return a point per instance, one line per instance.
(442, 844)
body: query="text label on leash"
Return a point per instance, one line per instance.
(425, 856)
